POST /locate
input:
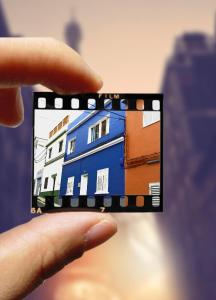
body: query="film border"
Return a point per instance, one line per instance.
(53, 101)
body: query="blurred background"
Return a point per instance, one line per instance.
(136, 46)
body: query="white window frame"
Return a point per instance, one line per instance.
(150, 117)
(69, 143)
(151, 184)
(105, 189)
(107, 118)
(70, 189)
(90, 132)
(81, 184)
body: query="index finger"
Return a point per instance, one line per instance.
(46, 61)
(27, 61)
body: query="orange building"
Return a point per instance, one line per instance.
(142, 151)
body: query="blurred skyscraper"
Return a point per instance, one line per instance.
(73, 34)
(4, 32)
(15, 150)
(15, 161)
(189, 88)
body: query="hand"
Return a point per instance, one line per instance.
(35, 251)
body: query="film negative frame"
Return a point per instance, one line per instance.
(110, 203)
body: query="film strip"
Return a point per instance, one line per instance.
(97, 152)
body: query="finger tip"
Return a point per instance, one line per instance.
(99, 83)
(12, 110)
(12, 123)
(100, 233)
(17, 122)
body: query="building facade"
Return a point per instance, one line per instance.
(55, 150)
(39, 161)
(38, 182)
(142, 152)
(94, 158)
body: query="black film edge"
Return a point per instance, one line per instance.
(123, 136)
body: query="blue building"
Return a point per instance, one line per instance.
(94, 158)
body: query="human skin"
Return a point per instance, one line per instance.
(34, 251)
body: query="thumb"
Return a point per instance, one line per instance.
(36, 250)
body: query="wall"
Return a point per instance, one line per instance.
(138, 178)
(111, 157)
(55, 146)
(49, 170)
(141, 145)
(146, 139)
(54, 167)
(116, 129)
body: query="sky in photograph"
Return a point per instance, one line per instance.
(46, 120)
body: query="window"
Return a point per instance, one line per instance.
(50, 152)
(95, 133)
(150, 117)
(70, 186)
(46, 183)
(98, 130)
(84, 184)
(71, 146)
(154, 188)
(60, 146)
(103, 127)
(102, 181)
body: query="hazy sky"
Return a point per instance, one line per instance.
(127, 42)
(46, 120)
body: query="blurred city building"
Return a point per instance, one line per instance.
(189, 88)
(15, 171)
(15, 185)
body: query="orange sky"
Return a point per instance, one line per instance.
(127, 42)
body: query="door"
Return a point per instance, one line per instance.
(84, 185)
(70, 186)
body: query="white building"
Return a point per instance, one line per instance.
(39, 159)
(55, 150)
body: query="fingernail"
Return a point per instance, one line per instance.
(99, 233)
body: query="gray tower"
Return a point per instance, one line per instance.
(73, 35)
